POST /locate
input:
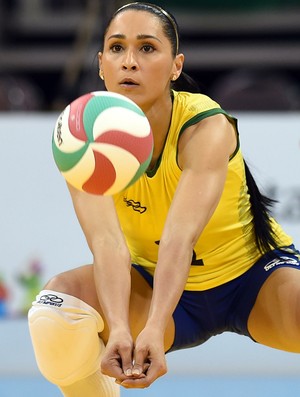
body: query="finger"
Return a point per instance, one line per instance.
(136, 383)
(145, 379)
(112, 369)
(126, 360)
(140, 362)
(111, 365)
(122, 381)
(117, 364)
(156, 370)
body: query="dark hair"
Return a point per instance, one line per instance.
(171, 30)
(261, 206)
(185, 83)
(168, 21)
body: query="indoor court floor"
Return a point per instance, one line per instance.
(171, 386)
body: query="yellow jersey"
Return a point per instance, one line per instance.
(226, 248)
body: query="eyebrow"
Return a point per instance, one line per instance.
(139, 37)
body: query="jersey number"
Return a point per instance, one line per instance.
(195, 261)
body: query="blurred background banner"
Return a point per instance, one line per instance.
(244, 54)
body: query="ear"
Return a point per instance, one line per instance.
(99, 58)
(177, 66)
(100, 64)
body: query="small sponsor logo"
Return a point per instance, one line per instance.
(283, 260)
(58, 130)
(50, 299)
(136, 205)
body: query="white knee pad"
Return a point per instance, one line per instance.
(64, 332)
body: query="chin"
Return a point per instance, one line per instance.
(138, 99)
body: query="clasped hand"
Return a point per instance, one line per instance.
(134, 365)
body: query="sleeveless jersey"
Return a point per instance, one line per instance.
(226, 247)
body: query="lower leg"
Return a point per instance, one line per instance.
(65, 336)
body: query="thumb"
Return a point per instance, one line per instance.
(126, 360)
(140, 362)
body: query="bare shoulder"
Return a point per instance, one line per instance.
(213, 127)
(212, 136)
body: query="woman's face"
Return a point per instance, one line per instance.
(137, 61)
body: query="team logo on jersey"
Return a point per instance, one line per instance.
(135, 205)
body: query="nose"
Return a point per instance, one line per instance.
(129, 61)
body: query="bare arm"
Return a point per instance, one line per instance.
(204, 156)
(99, 222)
(204, 153)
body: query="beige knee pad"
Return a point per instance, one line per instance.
(64, 332)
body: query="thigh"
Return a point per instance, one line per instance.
(275, 318)
(80, 283)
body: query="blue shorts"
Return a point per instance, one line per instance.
(202, 314)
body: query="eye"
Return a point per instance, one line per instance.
(147, 48)
(116, 48)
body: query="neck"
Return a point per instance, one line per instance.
(159, 117)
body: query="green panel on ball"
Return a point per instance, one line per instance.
(98, 104)
(66, 161)
(142, 169)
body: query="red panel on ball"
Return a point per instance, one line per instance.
(75, 121)
(139, 147)
(103, 177)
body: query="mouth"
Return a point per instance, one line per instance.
(128, 82)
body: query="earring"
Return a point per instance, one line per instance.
(174, 77)
(101, 74)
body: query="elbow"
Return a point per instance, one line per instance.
(109, 248)
(179, 242)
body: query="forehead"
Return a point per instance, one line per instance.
(141, 22)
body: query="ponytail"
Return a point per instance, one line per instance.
(261, 205)
(261, 210)
(185, 83)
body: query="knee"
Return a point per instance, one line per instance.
(64, 333)
(64, 283)
(73, 282)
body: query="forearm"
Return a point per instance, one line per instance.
(113, 284)
(169, 281)
(99, 222)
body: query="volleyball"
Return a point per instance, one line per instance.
(102, 143)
